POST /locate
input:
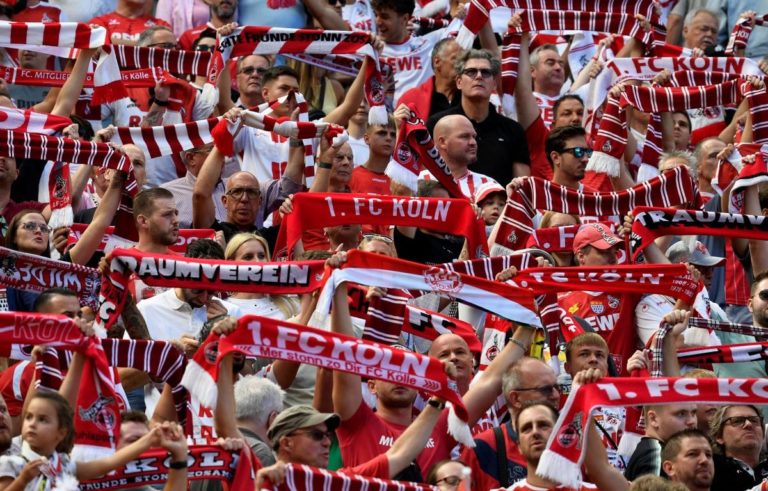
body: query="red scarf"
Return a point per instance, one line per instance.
(741, 32)
(315, 210)
(306, 478)
(32, 273)
(172, 139)
(577, 21)
(97, 416)
(143, 78)
(261, 40)
(60, 198)
(650, 223)
(173, 271)
(235, 469)
(107, 82)
(673, 187)
(479, 11)
(562, 460)
(31, 122)
(176, 61)
(109, 242)
(415, 150)
(734, 168)
(271, 338)
(53, 38)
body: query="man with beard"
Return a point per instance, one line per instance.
(456, 140)
(5, 429)
(157, 220)
(502, 149)
(738, 435)
(222, 12)
(687, 459)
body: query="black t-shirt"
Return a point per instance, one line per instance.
(230, 230)
(646, 459)
(428, 249)
(440, 103)
(500, 142)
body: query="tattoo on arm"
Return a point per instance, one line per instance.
(134, 321)
(154, 116)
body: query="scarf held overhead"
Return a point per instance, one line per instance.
(262, 40)
(270, 338)
(561, 461)
(450, 216)
(53, 38)
(306, 478)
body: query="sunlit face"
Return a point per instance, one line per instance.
(567, 164)
(477, 82)
(549, 72)
(277, 88)
(40, 427)
(758, 304)
(693, 465)
(449, 476)
(163, 224)
(379, 246)
(708, 159)
(592, 256)
(308, 446)
(391, 26)
(672, 418)
(587, 356)
(681, 132)
(139, 162)
(249, 75)
(569, 112)
(342, 165)
(701, 32)
(491, 208)
(459, 144)
(742, 431)
(392, 395)
(242, 199)
(253, 250)
(380, 140)
(534, 425)
(452, 348)
(32, 234)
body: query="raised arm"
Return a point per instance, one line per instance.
(527, 109)
(224, 418)
(203, 208)
(414, 439)
(352, 101)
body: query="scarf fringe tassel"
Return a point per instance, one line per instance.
(602, 162)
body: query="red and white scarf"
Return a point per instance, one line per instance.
(451, 216)
(673, 187)
(205, 462)
(176, 61)
(479, 11)
(271, 338)
(741, 32)
(650, 223)
(568, 22)
(32, 273)
(157, 141)
(611, 139)
(262, 40)
(97, 416)
(54, 38)
(415, 150)
(143, 78)
(561, 461)
(306, 478)
(110, 242)
(31, 122)
(173, 271)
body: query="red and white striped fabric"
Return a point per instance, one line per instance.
(479, 11)
(107, 81)
(176, 61)
(54, 38)
(172, 139)
(741, 32)
(574, 22)
(262, 40)
(305, 478)
(31, 121)
(142, 78)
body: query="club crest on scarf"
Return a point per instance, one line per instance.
(570, 435)
(446, 282)
(100, 413)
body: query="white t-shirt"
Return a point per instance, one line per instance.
(359, 16)
(468, 183)
(411, 61)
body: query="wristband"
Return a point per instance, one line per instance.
(436, 403)
(294, 143)
(160, 103)
(180, 464)
(324, 165)
(519, 344)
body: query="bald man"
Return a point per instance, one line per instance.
(456, 140)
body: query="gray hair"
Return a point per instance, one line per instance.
(477, 54)
(145, 38)
(513, 377)
(694, 13)
(685, 155)
(698, 151)
(533, 58)
(256, 398)
(440, 47)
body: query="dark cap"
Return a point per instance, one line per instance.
(297, 417)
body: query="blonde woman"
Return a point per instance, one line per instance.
(252, 247)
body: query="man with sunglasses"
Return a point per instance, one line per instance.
(738, 434)
(502, 150)
(568, 153)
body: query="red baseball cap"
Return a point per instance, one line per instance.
(595, 235)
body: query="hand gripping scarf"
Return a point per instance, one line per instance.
(173, 271)
(109, 242)
(650, 223)
(744, 173)
(53, 38)
(260, 40)
(234, 469)
(450, 216)
(97, 417)
(271, 338)
(561, 461)
(479, 11)
(733, 353)
(741, 32)
(622, 69)
(415, 149)
(673, 187)
(306, 478)
(31, 273)
(611, 137)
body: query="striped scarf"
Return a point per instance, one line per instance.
(53, 38)
(176, 61)
(741, 32)
(157, 141)
(611, 139)
(142, 78)
(479, 11)
(306, 478)
(262, 40)
(673, 187)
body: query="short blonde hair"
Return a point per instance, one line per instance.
(238, 240)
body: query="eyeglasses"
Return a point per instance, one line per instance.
(250, 69)
(763, 294)
(380, 237)
(205, 47)
(334, 2)
(450, 480)
(472, 72)
(544, 390)
(579, 152)
(315, 434)
(32, 226)
(164, 45)
(742, 420)
(238, 193)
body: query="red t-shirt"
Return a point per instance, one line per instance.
(14, 384)
(366, 181)
(537, 134)
(482, 459)
(610, 315)
(125, 30)
(365, 435)
(42, 12)
(187, 39)
(524, 486)
(377, 467)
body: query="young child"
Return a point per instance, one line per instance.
(48, 434)
(490, 197)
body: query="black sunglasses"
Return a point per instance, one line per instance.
(472, 72)
(315, 434)
(579, 152)
(543, 390)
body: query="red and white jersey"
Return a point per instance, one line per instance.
(125, 30)
(359, 16)
(42, 12)
(468, 183)
(262, 153)
(410, 61)
(525, 486)
(611, 421)
(546, 104)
